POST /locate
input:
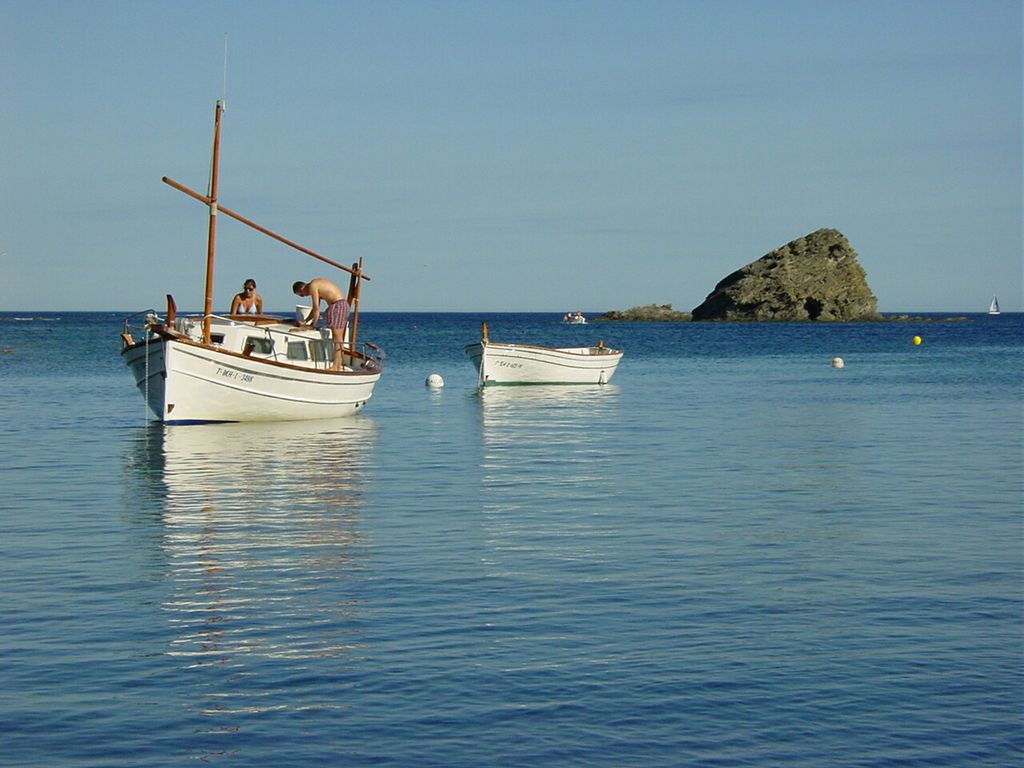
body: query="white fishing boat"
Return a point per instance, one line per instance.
(993, 308)
(574, 318)
(500, 364)
(236, 368)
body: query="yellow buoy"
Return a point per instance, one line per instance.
(916, 340)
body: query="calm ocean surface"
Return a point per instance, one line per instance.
(732, 555)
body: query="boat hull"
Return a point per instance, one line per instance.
(188, 383)
(519, 364)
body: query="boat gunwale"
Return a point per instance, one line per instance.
(608, 351)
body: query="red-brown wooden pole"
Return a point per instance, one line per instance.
(228, 212)
(211, 237)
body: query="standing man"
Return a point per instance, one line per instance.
(336, 316)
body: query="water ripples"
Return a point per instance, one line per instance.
(729, 556)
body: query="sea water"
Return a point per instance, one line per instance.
(734, 554)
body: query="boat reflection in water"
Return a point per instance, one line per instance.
(548, 472)
(547, 433)
(576, 404)
(261, 543)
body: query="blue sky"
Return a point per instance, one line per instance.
(534, 156)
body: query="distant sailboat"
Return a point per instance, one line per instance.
(993, 308)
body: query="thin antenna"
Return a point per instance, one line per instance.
(224, 98)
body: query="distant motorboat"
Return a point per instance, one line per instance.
(574, 318)
(993, 308)
(501, 364)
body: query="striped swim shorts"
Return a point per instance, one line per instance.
(337, 314)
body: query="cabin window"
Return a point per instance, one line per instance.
(260, 346)
(297, 351)
(216, 338)
(321, 350)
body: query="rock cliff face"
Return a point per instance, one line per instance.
(814, 278)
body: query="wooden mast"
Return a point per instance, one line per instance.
(211, 237)
(210, 199)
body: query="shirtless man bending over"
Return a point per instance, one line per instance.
(336, 315)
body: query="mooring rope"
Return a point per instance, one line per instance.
(144, 414)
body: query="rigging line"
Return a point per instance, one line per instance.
(146, 417)
(223, 106)
(224, 90)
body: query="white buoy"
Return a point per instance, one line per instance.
(837, 362)
(434, 381)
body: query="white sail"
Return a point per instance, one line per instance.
(993, 308)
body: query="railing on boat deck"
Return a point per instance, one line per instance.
(317, 352)
(150, 317)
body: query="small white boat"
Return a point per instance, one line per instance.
(574, 318)
(238, 368)
(993, 308)
(500, 364)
